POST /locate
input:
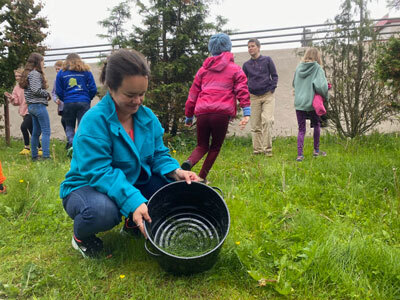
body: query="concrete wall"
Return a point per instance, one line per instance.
(285, 61)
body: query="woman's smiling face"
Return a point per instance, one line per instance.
(129, 96)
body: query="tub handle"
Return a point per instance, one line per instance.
(219, 190)
(148, 250)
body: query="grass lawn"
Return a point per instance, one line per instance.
(324, 228)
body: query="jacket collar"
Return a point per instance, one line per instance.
(142, 119)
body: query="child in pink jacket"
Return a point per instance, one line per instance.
(17, 98)
(218, 84)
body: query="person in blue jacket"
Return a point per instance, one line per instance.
(75, 86)
(119, 159)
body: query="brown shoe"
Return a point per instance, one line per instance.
(205, 181)
(269, 154)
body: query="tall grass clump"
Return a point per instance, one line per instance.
(325, 228)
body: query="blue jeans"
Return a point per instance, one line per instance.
(73, 112)
(95, 212)
(41, 126)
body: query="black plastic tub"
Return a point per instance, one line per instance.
(180, 211)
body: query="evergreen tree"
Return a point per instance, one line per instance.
(388, 69)
(174, 39)
(20, 36)
(393, 4)
(357, 104)
(114, 24)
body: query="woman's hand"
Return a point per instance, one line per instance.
(243, 122)
(180, 174)
(138, 215)
(8, 95)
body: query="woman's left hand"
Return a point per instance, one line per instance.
(180, 174)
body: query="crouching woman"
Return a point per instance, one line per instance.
(119, 159)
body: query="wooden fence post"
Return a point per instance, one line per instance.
(7, 121)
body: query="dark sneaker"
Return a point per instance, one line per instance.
(89, 247)
(186, 165)
(3, 189)
(130, 229)
(68, 145)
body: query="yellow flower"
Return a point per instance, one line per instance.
(21, 180)
(173, 151)
(122, 276)
(237, 243)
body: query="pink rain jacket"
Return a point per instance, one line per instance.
(216, 86)
(18, 99)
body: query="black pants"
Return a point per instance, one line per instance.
(60, 113)
(26, 129)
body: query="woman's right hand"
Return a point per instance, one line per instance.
(138, 215)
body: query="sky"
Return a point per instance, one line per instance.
(75, 22)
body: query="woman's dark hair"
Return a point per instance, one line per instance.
(120, 64)
(33, 63)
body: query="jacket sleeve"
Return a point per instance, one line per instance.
(162, 162)
(240, 89)
(193, 95)
(15, 98)
(273, 73)
(53, 92)
(93, 155)
(59, 86)
(320, 84)
(245, 69)
(91, 85)
(35, 84)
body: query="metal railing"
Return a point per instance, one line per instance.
(286, 35)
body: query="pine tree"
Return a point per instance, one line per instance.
(357, 104)
(114, 24)
(388, 69)
(174, 39)
(22, 33)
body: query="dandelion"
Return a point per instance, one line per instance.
(21, 180)
(121, 276)
(237, 243)
(173, 151)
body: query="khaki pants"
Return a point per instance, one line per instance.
(262, 121)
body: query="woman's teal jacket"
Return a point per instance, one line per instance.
(107, 159)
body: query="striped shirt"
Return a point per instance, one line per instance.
(34, 92)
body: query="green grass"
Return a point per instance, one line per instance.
(325, 228)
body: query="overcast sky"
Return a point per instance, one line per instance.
(75, 22)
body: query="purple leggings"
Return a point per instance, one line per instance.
(214, 126)
(301, 121)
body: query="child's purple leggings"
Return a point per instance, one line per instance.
(301, 121)
(214, 126)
